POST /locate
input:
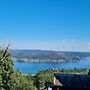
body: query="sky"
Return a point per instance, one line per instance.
(62, 25)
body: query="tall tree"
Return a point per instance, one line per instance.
(6, 69)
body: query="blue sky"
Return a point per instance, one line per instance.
(45, 24)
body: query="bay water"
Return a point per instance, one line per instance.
(34, 67)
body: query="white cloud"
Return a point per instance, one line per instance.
(73, 40)
(64, 45)
(88, 43)
(63, 41)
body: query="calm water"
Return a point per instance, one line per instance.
(27, 67)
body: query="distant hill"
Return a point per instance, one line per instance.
(29, 53)
(48, 55)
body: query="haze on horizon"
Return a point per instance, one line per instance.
(62, 25)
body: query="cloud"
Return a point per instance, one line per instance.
(64, 45)
(88, 43)
(63, 41)
(73, 40)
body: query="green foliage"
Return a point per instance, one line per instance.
(22, 82)
(42, 79)
(6, 69)
(89, 72)
(10, 80)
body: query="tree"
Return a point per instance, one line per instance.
(22, 82)
(6, 69)
(43, 78)
(89, 72)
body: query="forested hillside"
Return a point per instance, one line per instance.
(48, 56)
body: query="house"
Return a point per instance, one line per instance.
(70, 82)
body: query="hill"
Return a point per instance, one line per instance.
(48, 55)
